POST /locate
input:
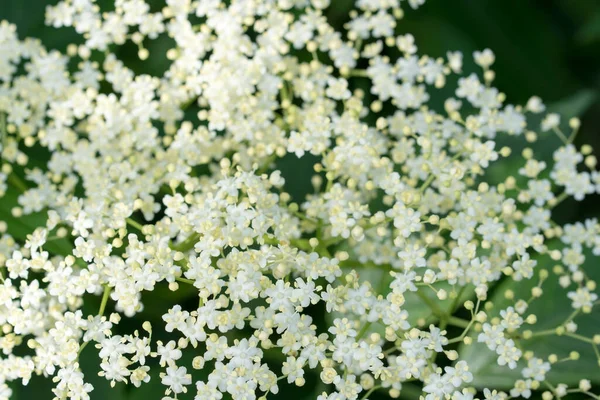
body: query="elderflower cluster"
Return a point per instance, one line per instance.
(120, 186)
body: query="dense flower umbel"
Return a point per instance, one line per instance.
(148, 195)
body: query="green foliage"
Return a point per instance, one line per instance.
(482, 361)
(574, 105)
(24, 225)
(549, 48)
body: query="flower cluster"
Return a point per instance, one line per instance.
(173, 182)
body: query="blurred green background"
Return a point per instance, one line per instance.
(549, 48)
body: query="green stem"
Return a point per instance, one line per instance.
(105, 296)
(459, 322)
(463, 334)
(366, 395)
(188, 103)
(454, 305)
(17, 182)
(579, 337)
(187, 244)
(561, 197)
(571, 317)
(573, 135)
(329, 185)
(368, 264)
(358, 44)
(551, 387)
(544, 332)
(185, 280)
(428, 182)
(304, 217)
(267, 164)
(2, 131)
(431, 304)
(363, 330)
(135, 224)
(592, 395)
(302, 244)
(361, 73)
(561, 135)
(596, 351)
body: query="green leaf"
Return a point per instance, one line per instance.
(40, 387)
(418, 309)
(159, 300)
(523, 67)
(154, 389)
(590, 31)
(24, 225)
(551, 310)
(575, 105)
(89, 363)
(380, 280)
(37, 388)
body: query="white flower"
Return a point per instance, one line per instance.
(550, 121)
(484, 58)
(508, 353)
(483, 153)
(582, 298)
(536, 369)
(174, 193)
(168, 353)
(176, 378)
